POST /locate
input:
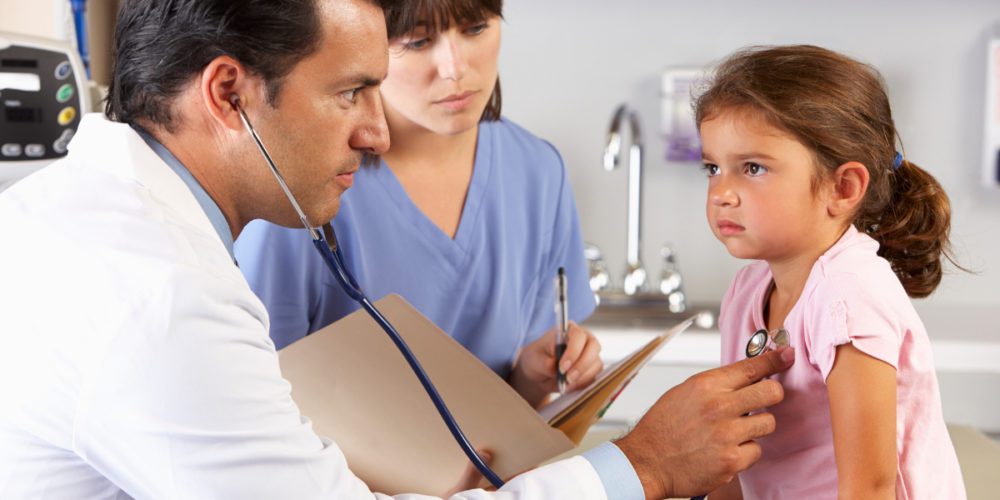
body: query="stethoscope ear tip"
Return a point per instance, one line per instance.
(234, 99)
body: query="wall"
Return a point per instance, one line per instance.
(566, 64)
(45, 19)
(53, 19)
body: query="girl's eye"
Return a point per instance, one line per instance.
(755, 169)
(710, 169)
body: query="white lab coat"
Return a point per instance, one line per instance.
(134, 359)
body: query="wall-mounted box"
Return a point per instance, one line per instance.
(677, 114)
(991, 139)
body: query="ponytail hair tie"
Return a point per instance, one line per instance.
(897, 161)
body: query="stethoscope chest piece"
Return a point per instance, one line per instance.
(761, 340)
(780, 337)
(757, 343)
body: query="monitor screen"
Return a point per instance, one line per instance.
(27, 82)
(18, 63)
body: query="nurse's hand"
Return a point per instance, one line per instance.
(534, 373)
(698, 435)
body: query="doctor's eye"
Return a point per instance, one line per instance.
(755, 169)
(710, 169)
(351, 95)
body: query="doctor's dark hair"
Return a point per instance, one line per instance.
(159, 45)
(402, 18)
(838, 108)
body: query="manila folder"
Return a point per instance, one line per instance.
(359, 391)
(574, 412)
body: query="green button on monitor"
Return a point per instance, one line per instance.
(65, 93)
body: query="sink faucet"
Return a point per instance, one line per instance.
(599, 278)
(671, 281)
(635, 273)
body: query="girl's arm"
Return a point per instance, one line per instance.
(862, 393)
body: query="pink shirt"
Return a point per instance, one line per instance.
(851, 296)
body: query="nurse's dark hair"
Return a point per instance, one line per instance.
(403, 17)
(159, 45)
(839, 109)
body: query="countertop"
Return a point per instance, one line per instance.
(963, 338)
(965, 341)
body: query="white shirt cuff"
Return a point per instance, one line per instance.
(616, 472)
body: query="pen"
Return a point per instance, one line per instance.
(562, 326)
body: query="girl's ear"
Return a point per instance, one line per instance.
(850, 183)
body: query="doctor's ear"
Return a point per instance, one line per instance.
(848, 188)
(225, 82)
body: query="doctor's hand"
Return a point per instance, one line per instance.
(698, 435)
(534, 373)
(472, 478)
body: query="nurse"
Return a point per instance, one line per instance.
(468, 216)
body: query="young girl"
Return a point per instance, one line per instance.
(804, 177)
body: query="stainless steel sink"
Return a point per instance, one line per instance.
(648, 310)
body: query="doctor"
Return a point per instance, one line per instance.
(136, 361)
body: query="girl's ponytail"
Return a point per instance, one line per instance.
(912, 228)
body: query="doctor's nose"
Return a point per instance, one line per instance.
(450, 60)
(372, 137)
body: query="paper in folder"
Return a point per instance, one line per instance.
(358, 390)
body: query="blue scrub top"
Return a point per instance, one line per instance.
(490, 288)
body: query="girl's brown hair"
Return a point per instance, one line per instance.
(838, 108)
(402, 18)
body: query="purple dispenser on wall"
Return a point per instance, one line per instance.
(677, 115)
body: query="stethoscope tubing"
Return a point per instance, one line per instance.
(334, 262)
(347, 282)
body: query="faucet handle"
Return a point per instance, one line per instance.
(670, 277)
(598, 270)
(671, 281)
(635, 279)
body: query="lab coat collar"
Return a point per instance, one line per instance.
(206, 202)
(117, 149)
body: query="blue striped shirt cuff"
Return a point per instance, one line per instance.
(616, 472)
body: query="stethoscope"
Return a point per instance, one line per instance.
(763, 340)
(334, 259)
(760, 342)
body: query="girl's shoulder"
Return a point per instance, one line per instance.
(853, 295)
(853, 268)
